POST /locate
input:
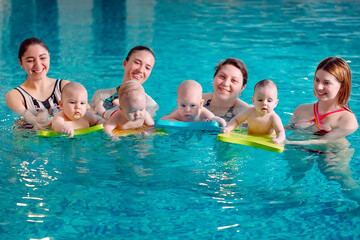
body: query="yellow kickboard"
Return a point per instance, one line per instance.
(263, 141)
(51, 133)
(127, 132)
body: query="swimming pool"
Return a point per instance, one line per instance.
(183, 185)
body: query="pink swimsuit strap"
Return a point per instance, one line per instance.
(114, 111)
(318, 118)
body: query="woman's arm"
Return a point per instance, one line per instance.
(15, 102)
(302, 113)
(151, 106)
(101, 95)
(345, 126)
(94, 119)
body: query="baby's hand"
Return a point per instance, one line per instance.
(206, 120)
(225, 130)
(115, 138)
(148, 131)
(276, 140)
(68, 131)
(145, 133)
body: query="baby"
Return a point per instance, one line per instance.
(190, 105)
(132, 109)
(261, 118)
(74, 115)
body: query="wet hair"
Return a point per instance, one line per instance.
(139, 48)
(264, 83)
(341, 70)
(131, 89)
(30, 41)
(236, 63)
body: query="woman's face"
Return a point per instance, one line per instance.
(228, 82)
(139, 66)
(326, 86)
(35, 61)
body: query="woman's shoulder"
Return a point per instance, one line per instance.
(241, 104)
(106, 91)
(207, 96)
(13, 91)
(348, 118)
(303, 108)
(13, 95)
(63, 83)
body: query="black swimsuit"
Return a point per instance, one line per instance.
(49, 104)
(108, 103)
(228, 115)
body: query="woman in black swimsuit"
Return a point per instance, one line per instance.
(230, 79)
(38, 97)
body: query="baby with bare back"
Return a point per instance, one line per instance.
(74, 115)
(190, 105)
(132, 112)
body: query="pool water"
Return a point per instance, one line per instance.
(184, 185)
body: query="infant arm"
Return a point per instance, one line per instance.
(171, 117)
(279, 129)
(236, 121)
(148, 121)
(58, 125)
(221, 121)
(207, 116)
(109, 126)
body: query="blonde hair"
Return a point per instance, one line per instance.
(130, 90)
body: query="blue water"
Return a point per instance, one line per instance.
(183, 185)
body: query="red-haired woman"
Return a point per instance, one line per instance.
(330, 117)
